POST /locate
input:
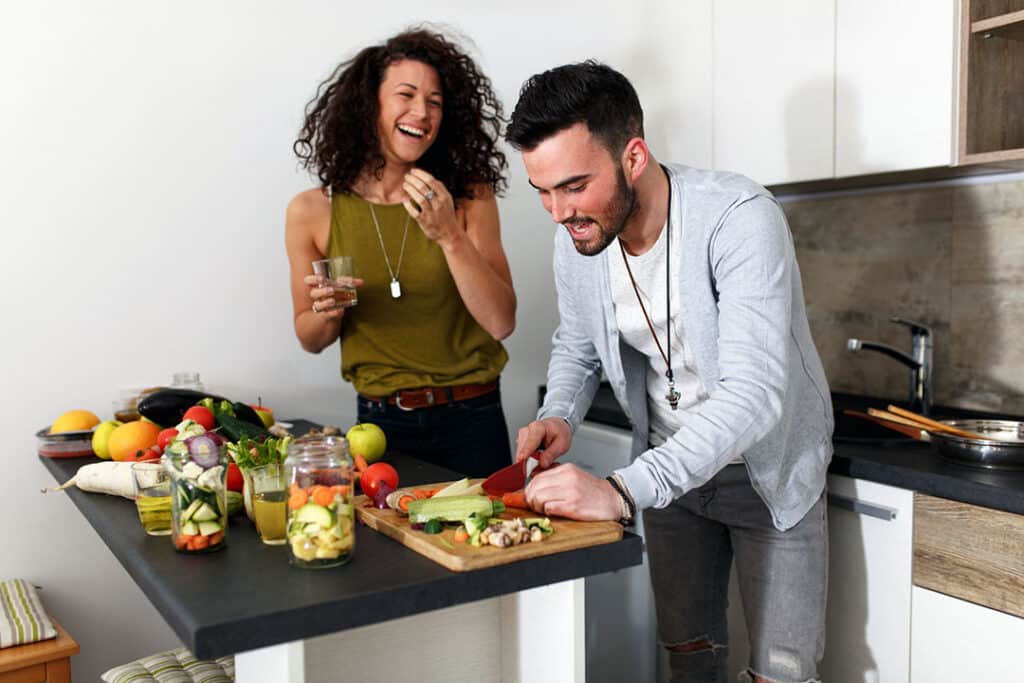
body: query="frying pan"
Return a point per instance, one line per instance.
(1002, 448)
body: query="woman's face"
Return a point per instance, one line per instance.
(410, 110)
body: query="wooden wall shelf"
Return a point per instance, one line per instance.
(991, 81)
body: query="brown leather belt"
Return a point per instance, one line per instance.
(428, 397)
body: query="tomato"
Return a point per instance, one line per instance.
(233, 479)
(200, 415)
(165, 436)
(376, 474)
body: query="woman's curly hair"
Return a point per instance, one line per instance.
(339, 138)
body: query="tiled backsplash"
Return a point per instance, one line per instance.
(950, 256)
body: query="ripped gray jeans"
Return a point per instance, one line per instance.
(782, 580)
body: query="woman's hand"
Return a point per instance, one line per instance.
(322, 294)
(432, 206)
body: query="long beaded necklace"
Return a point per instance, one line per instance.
(672, 396)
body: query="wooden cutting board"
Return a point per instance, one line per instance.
(461, 557)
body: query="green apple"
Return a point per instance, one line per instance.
(266, 415)
(367, 439)
(101, 436)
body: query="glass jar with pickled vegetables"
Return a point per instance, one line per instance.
(197, 464)
(321, 521)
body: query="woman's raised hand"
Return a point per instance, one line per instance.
(430, 203)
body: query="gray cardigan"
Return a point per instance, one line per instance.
(742, 311)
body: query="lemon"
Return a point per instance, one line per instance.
(101, 438)
(74, 421)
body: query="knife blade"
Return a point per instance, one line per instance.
(511, 478)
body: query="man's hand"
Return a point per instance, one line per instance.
(551, 436)
(569, 491)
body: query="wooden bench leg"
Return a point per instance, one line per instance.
(58, 671)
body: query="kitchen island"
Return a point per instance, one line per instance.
(247, 600)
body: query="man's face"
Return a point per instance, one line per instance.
(582, 187)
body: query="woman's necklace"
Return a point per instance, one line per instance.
(396, 288)
(672, 396)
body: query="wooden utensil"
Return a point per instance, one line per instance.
(933, 425)
(912, 432)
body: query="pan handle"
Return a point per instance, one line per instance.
(881, 512)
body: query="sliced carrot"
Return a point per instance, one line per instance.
(461, 535)
(181, 541)
(323, 496)
(339, 489)
(403, 502)
(216, 538)
(297, 499)
(515, 499)
(293, 489)
(422, 493)
(200, 542)
(360, 462)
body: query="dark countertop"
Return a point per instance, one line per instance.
(247, 596)
(886, 457)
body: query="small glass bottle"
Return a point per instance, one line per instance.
(186, 380)
(321, 520)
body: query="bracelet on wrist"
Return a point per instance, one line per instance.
(628, 506)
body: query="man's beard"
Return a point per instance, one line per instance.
(620, 209)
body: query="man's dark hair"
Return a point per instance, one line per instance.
(588, 92)
(339, 137)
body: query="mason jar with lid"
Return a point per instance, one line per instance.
(321, 520)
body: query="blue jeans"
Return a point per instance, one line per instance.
(782, 580)
(469, 437)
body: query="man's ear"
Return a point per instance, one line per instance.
(634, 158)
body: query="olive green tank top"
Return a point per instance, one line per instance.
(425, 337)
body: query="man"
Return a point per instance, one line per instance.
(682, 286)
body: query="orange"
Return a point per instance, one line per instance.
(73, 421)
(125, 441)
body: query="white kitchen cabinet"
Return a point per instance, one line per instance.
(773, 65)
(867, 636)
(895, 72)
(956, 640)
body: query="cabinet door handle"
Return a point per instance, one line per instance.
(861, 508)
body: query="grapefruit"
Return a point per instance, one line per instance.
(74, 421)
(126, 441)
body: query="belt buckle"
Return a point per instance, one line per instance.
(398, 402)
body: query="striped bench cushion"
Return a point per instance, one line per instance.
(22, 617)
(173, 666)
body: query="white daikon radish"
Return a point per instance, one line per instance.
(113, 478)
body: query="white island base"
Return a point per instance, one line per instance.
(533, 636)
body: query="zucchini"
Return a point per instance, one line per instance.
(453, 508)
(234, 428)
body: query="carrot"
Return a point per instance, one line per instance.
(516, 499)
(339, 489)
(181, 541)
(461, 535)
(323, 496)
(293, 489)
(403, 502)
(422, 493)
(360, 462)
(297, 499)
(200, 542)
(216, 538)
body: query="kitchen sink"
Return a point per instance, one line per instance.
(855, 430)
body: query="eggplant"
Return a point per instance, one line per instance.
(166, 407)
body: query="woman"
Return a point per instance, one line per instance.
(403, 140)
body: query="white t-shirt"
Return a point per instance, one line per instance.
(649, 272)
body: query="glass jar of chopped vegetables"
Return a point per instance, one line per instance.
(198, 466)
(321, 520)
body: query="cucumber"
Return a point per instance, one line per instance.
(453, 508)
(311, 513)
(234, 428)
(191, 510)
(205, 513)
(189, 529)
(209, 528)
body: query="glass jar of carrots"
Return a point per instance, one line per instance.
(321, 520)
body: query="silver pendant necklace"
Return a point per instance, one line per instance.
(396, 288)
(672, 396)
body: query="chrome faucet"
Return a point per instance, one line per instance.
(919, 362)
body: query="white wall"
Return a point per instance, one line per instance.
(145, 164)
